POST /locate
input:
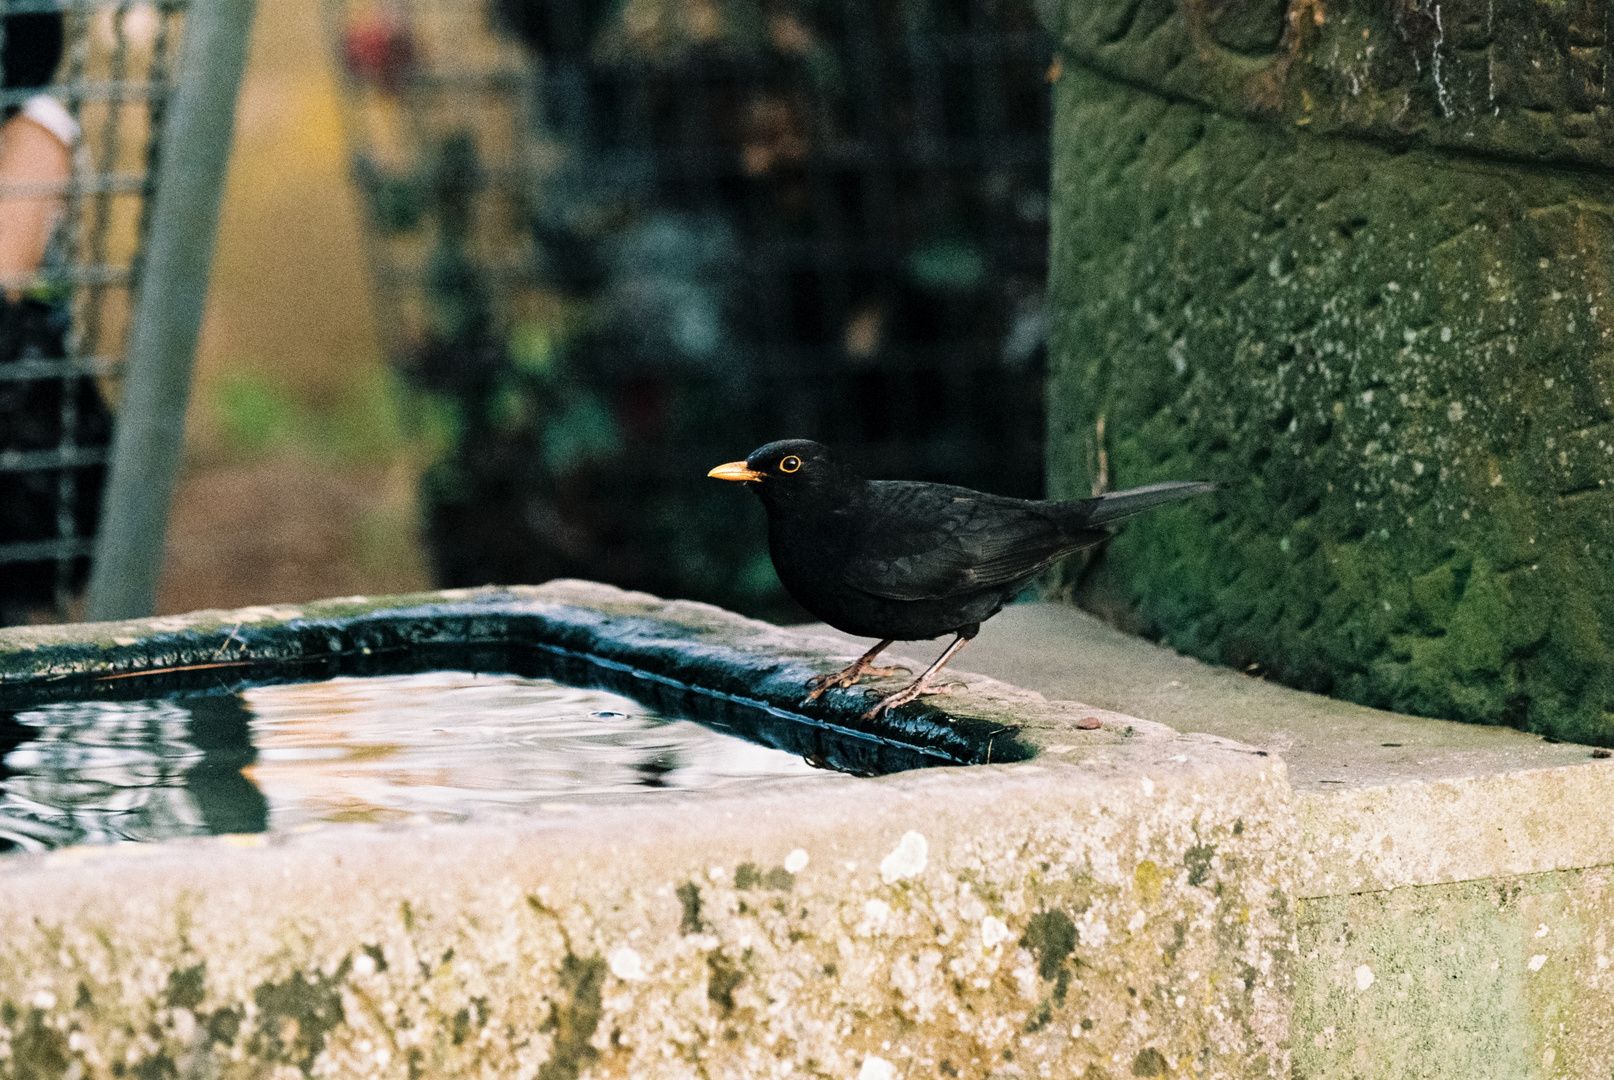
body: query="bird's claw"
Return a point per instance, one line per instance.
(909, 693)
(886, 704)
(819, 685)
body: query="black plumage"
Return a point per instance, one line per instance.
(902, 560)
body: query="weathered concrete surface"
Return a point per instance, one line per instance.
(1516, 79)
(1119, 906)
(1329, 745)
(1436, 907)
(1453, 884)
(1001, 922)
(1394, 346)
(1500, 977)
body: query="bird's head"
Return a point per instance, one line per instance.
(792, 472)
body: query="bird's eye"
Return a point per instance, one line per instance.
(790, 464)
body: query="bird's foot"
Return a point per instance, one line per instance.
(847, 676)
(919, 687)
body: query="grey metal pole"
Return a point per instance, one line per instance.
(168, 312)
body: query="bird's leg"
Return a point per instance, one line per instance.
(920, 685)
(854, 671)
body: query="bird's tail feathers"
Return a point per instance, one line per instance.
(1120, 504)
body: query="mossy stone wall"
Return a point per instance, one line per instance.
(1356, 261)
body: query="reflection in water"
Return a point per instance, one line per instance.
(439, 746)
(221, 728)
(104, 771)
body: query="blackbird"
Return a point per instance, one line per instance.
(901, 560)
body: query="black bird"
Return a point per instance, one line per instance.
(901, 560)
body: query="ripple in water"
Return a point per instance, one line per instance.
(441, 746)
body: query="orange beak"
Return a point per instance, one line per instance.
(735, 470)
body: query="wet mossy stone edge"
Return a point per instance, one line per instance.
(679, 657)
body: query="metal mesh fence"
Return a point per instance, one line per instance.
(63, 322)
(659, 233)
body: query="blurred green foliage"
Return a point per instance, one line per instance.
(739, 231)
(949, 263)
(254, 413)
(373, 422)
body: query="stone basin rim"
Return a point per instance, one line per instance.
(689, 651)
(257, 672)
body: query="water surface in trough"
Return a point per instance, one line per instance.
(436, 746)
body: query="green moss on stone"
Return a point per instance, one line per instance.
(722, 979)
(1149, 1062)
(1198, 861)
(187, 986)
(296, 1014)
(749, 876)
(574, 1014)
(689, 897)
(1396, 360)
(1514, 79)
(223, 1026)
(1051, 937)
(38, 1051)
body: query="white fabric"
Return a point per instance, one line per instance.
(53, 116)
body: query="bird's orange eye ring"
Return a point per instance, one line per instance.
(789, 464)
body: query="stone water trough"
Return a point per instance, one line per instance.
(1069, 892)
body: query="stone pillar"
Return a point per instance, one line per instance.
(1355, 260)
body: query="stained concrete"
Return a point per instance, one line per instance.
(1070, 655)
(996, 923)
(1129, 901)
(1515, 80)
(1119, 905)
(1343, 268)
(1494, 977)
(1454, 907)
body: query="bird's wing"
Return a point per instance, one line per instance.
(927, 541)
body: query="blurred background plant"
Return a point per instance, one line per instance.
(615, 243)
(303, 446)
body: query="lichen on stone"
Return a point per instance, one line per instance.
(1395, 359)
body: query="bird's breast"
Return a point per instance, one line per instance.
(812, 560)
(808, 550)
